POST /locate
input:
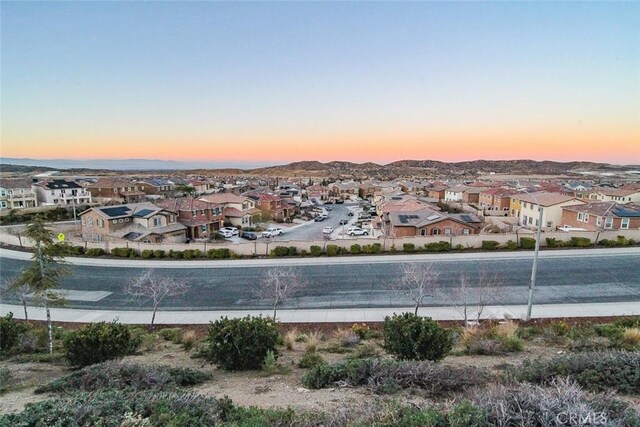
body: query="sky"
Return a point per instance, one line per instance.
(275, 82)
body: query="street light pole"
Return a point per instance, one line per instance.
(534, 269)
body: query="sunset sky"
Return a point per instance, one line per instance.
(279, 82)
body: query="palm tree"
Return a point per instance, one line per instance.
(43, 275)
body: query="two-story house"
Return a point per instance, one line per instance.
(157, 187)
(106, 190)
(239, 211)
(550, 204)
(618, 195)
(17, 194)
(201, 218)
(136, 222)
(496, 199)
(596, 216)
(271, 205)
(61, 192)
(317, 192)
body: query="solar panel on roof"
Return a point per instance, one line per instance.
(620, 211)
(396, 198)
(142, 213)
(432, 217)
(115, 211)
(466, 218)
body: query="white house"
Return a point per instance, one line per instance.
(618, 195)
(455, 194)
(17, 194)
(62, 192)
(551, 205)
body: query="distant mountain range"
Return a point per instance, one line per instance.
(402, 167)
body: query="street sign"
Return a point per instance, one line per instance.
(61, 237)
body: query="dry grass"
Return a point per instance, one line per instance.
(346, 337)
(468, 335)
(313, 342)
(189, 339)
(506, 329)
(290, 339)
(631, 336)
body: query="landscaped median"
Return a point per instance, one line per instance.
(437, 244)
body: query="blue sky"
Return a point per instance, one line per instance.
(293, 81)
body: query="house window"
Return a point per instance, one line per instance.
(121, 220)
(203, 228)
(157, 221)
(100, 222)
(83, 222)
(115, 221)
(100, 238)
(598, 221)
(423, 232)
(549, 224)
(624, 224)
(126, 220)
(586, 217)
(608, 223)
(435, 231)
(447, 232)
(580, 216)
(530, 220)
(91, 222)
(465, 231)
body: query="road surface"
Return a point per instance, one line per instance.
(578, 276)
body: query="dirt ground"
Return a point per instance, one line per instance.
(244, 388)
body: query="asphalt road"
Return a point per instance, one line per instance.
(581, 279)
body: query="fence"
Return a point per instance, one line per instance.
(263, 246)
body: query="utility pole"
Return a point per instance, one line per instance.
(534, 269)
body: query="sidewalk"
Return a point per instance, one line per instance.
(339, 260)
(323, 316)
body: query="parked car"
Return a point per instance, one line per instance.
(249, 235)
(328, 208)
(357, 231)
(327, 230)
(233, 230)
(225, 233)
(330, 202)
(319, 218)
(344, 221)
(339, 201)
(350, 213)
(270, 232)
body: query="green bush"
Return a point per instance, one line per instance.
(279, 251)
(65, 249)
(99, 342)
(511, 245)
(175, 254)
(172, 334)
(527, 243)
(9, 333)
(158, 253)
(466, 414)
(94, 252)
(356, 249)
(242, 344)
(459, 247)
(419, 338)
(490, 245)
(440, 246)
(552, 242)
(315, 250)
(220, 253)
(375, 248)
(596, 371)
(191, 253)
(408, 247)
(332, 250)
(147, 253)
(119, 375)
(124, 252)
(580, 242)
(310, 360)
(292, 251)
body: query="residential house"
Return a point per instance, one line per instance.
(158, 187)
(496, 199)
(551, 205)
(428, 222)
(17, 194)
(619, 195)
(239, 211)
(136, 222)
(595, 216)
(317, 192)
(455, 194)
(437, 192)
(105, 190)
(271, 205)
(61, 192)
(344, 190)
(201, 218)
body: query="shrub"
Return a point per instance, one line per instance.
(511, 245)
(175, 254)
(220, 253)
(303, 253)
(332, 250)
(356, 249)
(580, 242)
(346, 337)
(270, 366)
(363, 331)
(365, 351)
(123, 252)
(412, 337)
(459, 247)
(315, 250)
(279, 251)
(310, 360)
(189, 339)
(490, 245)
(499, 339)
(99, 342)
(120, 375)
(242, 344)
(312, 342)
(388, 375)
(596, 371)
(191, 253)
(408, 247)
(631, 337)
(552, 242)
(292, 251)
(158, 253)
(290, 339)
(440, 246)
(94, 252)
(466, 414)
(8, 333)
(171, 334)
(527, 243)
(147, 253)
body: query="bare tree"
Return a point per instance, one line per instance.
(278, 285)
(418, 281)
(155, 288)
(472, 296)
